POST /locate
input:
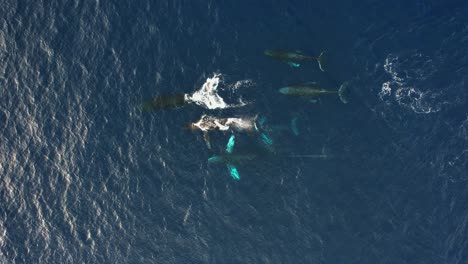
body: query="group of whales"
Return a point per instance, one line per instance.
(248, 124)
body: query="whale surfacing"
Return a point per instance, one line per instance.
(295, 58)
(164, 102)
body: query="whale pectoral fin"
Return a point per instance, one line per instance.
(267, 140)
(214, 159)
(262, 121)
(230, 144)
(206, 137)
(233, 171)
(292, 64)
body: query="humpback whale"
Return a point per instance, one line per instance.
(295, 58)
(164, 102)
(230, 159)
(207, 123)
(234, 124)
(274, 128)
(311, 89)
(206, 97)
(250, 124)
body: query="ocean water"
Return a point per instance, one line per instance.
(86, 177)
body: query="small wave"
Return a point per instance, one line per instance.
(407, 84)
(208, 97)
(452, 158)
(241, 84)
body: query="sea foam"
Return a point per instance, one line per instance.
(208, 96)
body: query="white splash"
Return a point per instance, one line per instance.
(208, 97)
(207, 123)
(386, 91)
(406, 84)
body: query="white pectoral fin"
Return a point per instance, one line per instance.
(230, 144)
(233, 171)
(266, 139)
(293, 64)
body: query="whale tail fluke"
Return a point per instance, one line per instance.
(342, 92)
(321, 61)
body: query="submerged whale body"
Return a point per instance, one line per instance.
(311, 89)
(231, 160)
(164, 102)
(210, 123)
(206, 97)
(295, 58)
(234, 124)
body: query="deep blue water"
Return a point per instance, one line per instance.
(85, 177)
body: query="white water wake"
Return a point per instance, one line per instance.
(208, 96)
(408, 85)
